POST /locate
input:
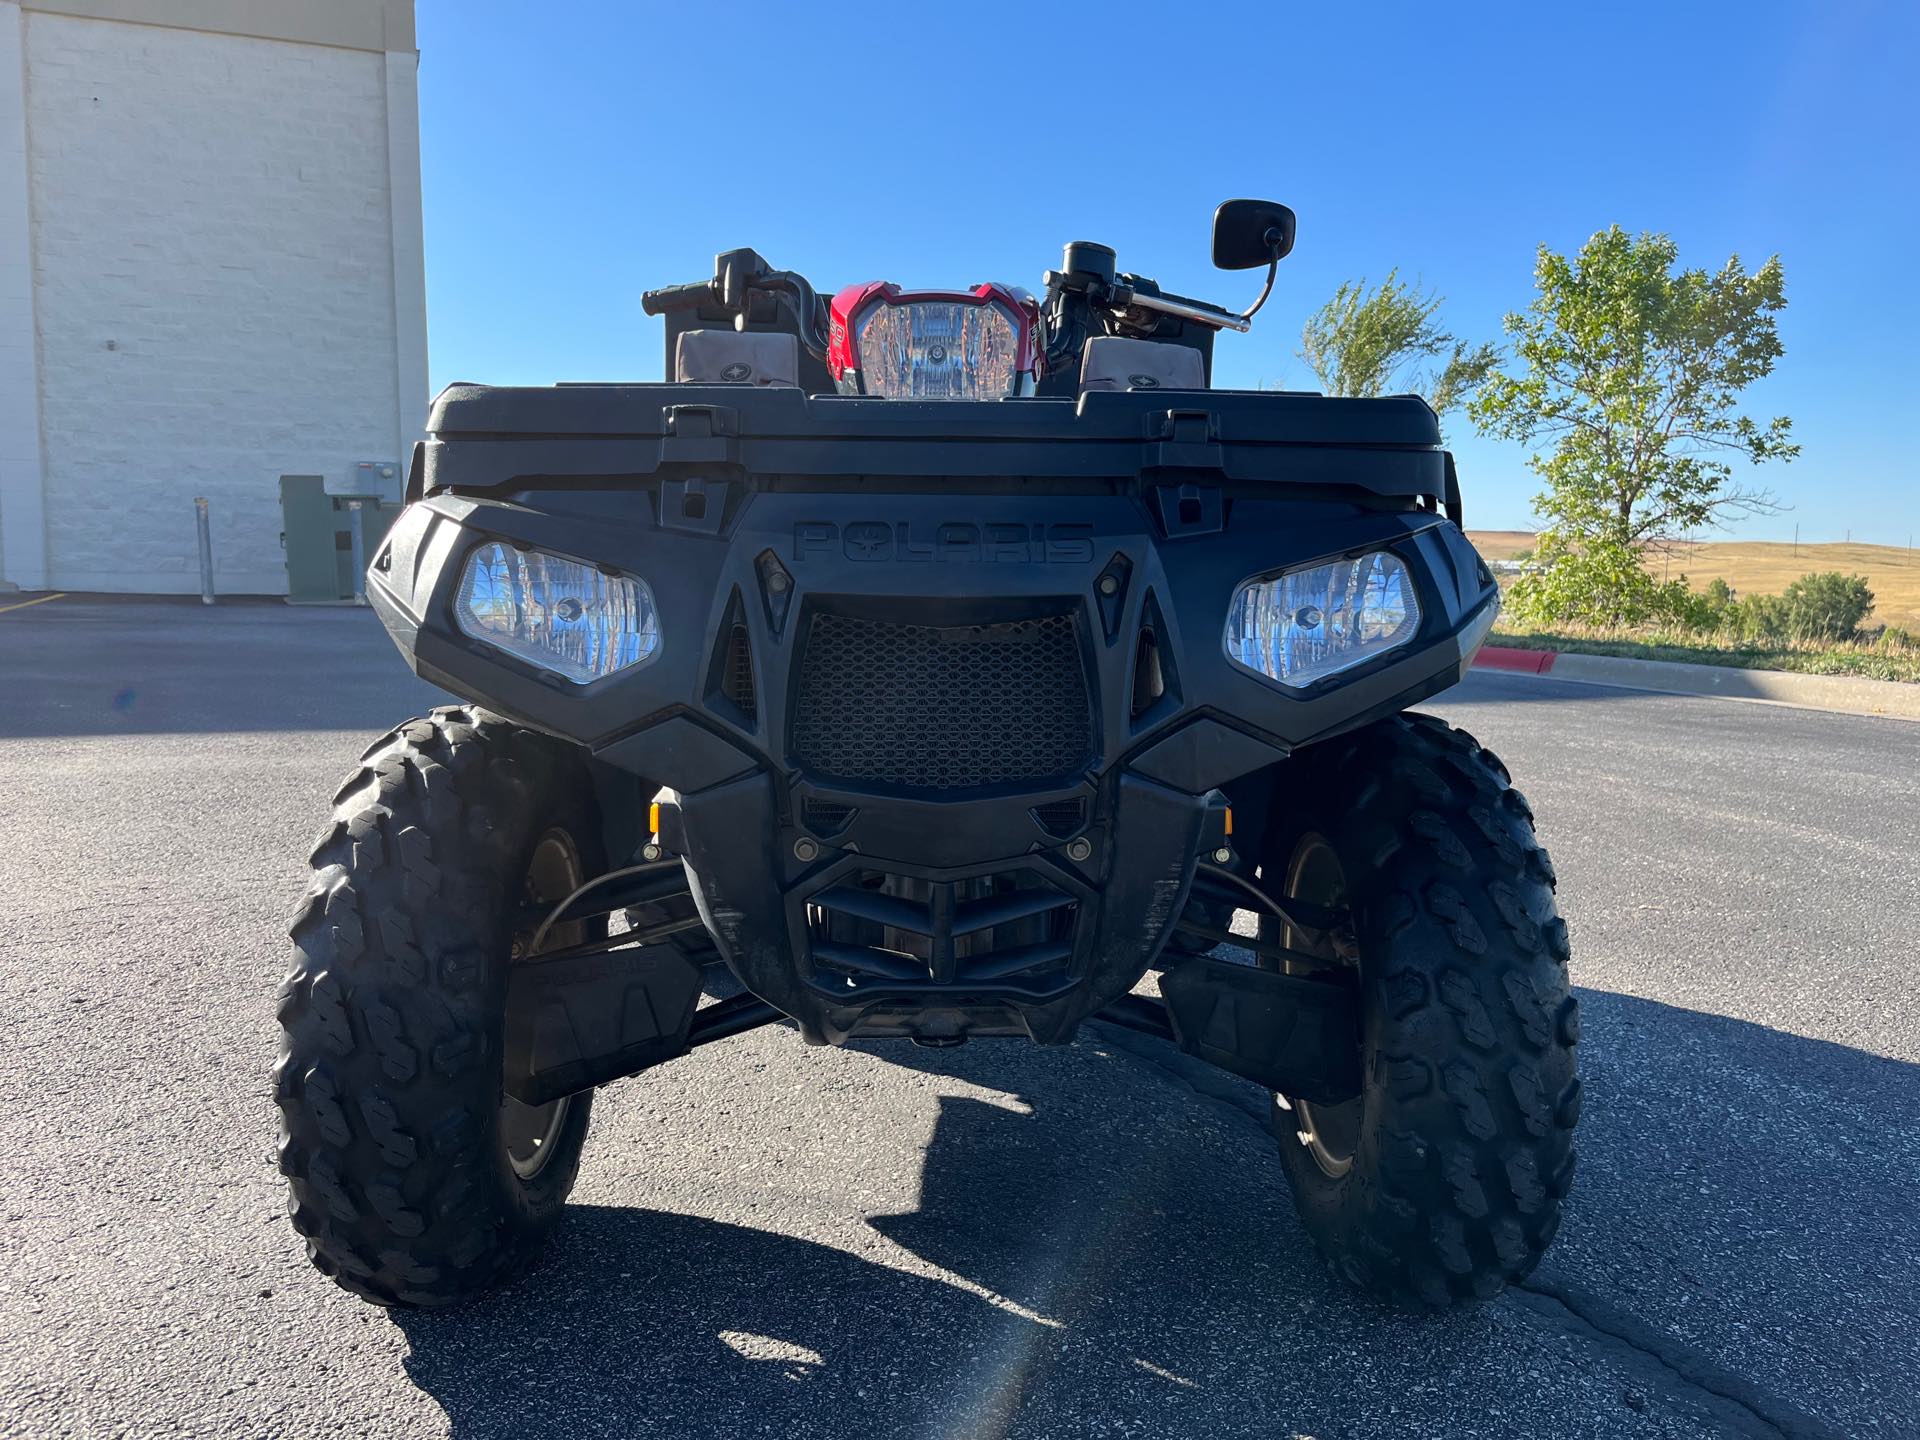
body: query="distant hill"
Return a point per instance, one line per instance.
(1767, 567)
(1501, 544)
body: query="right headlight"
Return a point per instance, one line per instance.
(566, 617)
(1304, 625)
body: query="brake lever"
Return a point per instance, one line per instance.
(1199, 311)
(1126, 298)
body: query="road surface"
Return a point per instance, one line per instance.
(997, 1240)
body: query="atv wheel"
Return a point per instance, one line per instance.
(413, 1177)
(1442, 1181)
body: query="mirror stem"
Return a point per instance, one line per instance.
(1273, 268)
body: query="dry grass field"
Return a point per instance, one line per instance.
(1767, 567)
(1501, 544)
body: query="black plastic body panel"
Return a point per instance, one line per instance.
(750, 512)
(1287, 1033)
(574, 1023)
(1379, 450)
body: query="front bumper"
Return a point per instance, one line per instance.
(1051, 777)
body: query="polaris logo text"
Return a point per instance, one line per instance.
(955, 542)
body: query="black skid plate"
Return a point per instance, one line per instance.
(580, 1021)
(1292, 1034)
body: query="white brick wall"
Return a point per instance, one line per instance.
(22, 555)
(214, 291)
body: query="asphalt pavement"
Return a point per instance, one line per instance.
(998, 1240)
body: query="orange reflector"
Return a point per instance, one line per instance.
(653, 817)
(1229, 820)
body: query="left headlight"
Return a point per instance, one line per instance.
(1304, 625)
(573, 619)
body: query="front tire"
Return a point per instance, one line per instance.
(413, 1178)
(1443, 1181)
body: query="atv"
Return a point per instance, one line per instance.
(931, 666)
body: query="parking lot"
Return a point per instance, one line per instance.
(998, 1240)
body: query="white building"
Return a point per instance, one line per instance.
(210, 276)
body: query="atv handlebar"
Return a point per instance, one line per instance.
(1086, 299)
(677, 297)
(737, 274)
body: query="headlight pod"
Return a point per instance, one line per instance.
(938, 350)
(566, 617)
(1304, 625)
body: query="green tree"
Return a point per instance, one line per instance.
(1631, 372)
(1368, 342)
(1828, 606)
(1604, 586)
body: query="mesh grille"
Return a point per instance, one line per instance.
(737, 681)
(1061, 818)
(942, 707)
(824, 817)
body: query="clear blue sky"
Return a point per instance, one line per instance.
(578, 153)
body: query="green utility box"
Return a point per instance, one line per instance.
(319, 538)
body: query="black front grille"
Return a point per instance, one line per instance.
(878, 929)
(942, 707)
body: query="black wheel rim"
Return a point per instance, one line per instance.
(1329, 1133)
(528, 1133)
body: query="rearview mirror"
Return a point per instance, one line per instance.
(1249, 233)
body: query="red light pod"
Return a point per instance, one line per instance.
(978, 344)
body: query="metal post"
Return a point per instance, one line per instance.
(206, 549)
(359, 554)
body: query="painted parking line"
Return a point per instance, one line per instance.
(39, 600)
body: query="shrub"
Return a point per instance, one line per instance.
(1600, 585)
(1758, 620)
(1688, 609)
(1827, 606)
(1597, 583)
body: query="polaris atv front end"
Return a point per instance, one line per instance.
(930, 719)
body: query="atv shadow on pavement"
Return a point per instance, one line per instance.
(1058, 1278)
(1115, 1254)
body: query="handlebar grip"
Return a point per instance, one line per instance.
(677, 297)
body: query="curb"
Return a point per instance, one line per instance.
(1527, 662)
(1889, 699)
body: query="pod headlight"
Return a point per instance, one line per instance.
(1303, 625)
(572, 619)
